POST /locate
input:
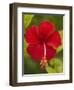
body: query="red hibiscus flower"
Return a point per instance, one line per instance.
(42, 42)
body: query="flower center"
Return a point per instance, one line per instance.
(42, 40)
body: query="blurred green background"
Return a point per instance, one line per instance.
(55, 65)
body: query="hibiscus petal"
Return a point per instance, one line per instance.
(46, 28)
(55, 40)
(50, 52)
(36, 52)
(31, 35)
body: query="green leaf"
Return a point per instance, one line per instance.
(61, 33)
(60, 48)
(25, 48)
(50, 69)
(55, 66)
(30, 67)
(55, 62)
(27, 20)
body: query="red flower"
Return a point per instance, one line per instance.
(42, 41)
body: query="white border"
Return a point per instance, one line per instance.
(43, 77)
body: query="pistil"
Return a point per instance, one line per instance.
(44, 60)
